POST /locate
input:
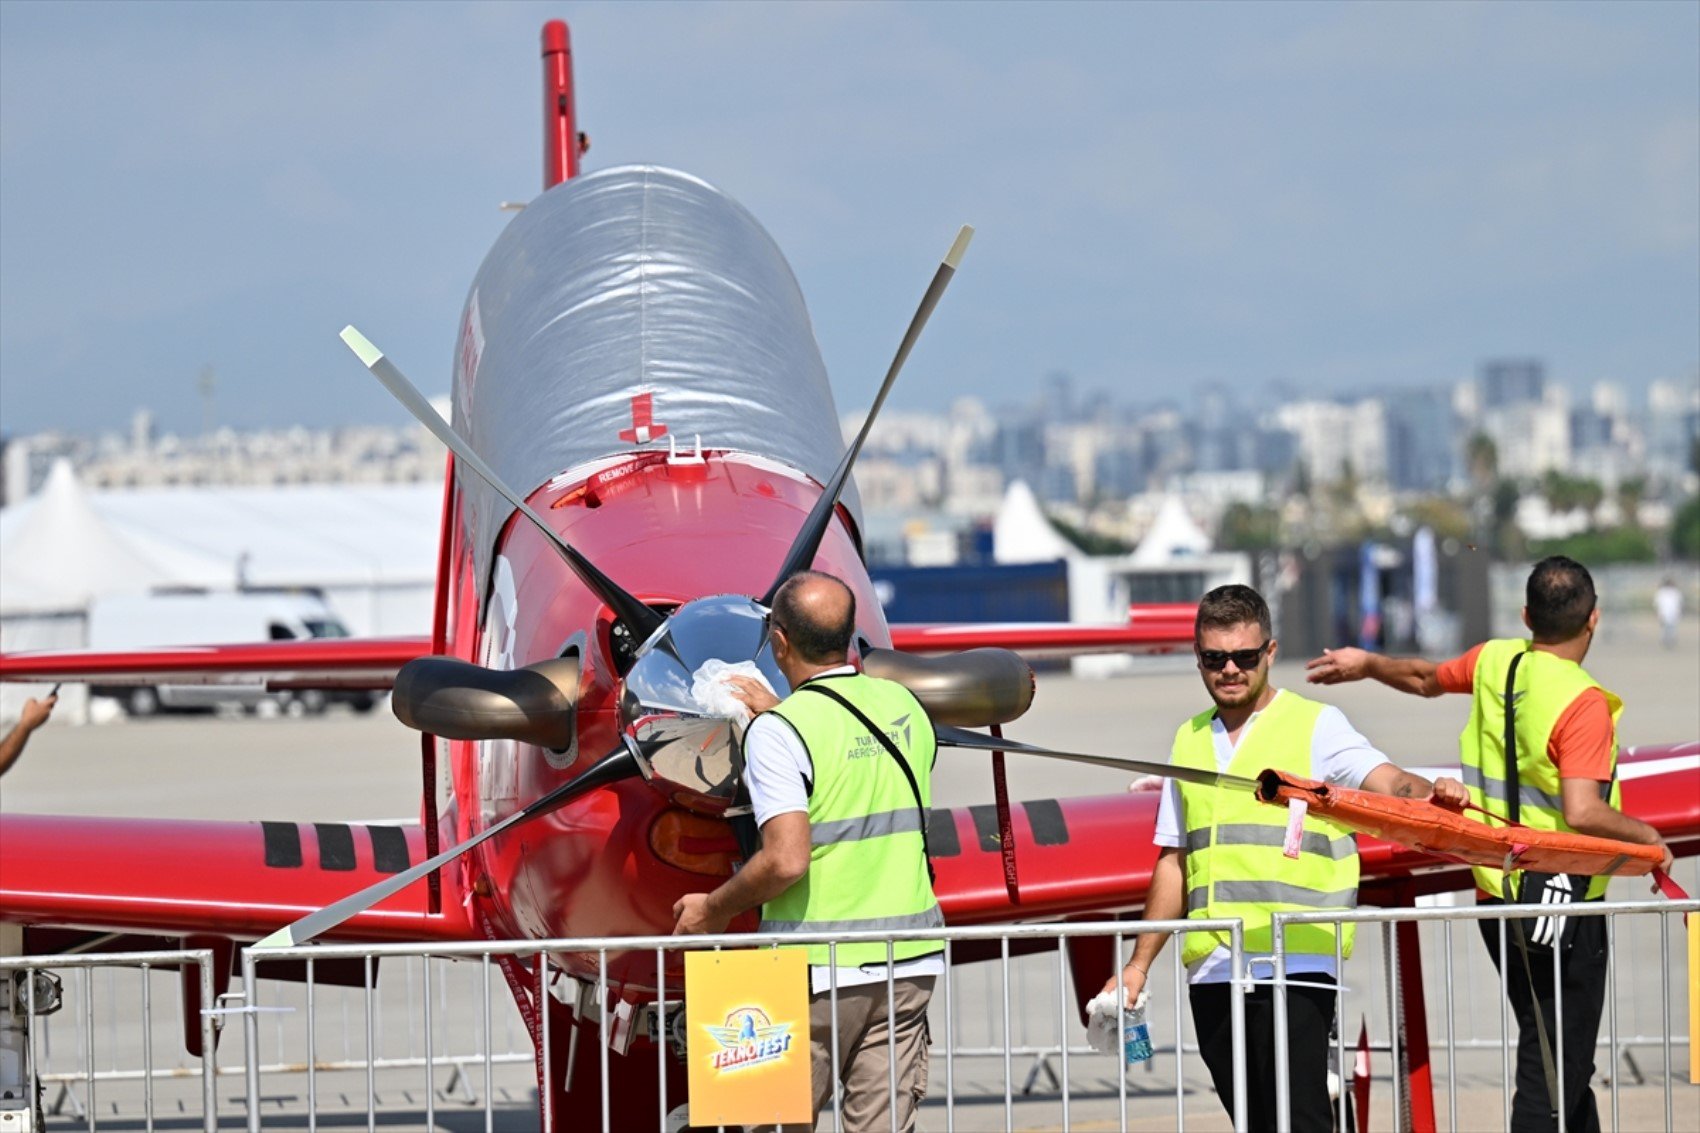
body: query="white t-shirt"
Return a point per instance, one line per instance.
(1338, 755)
(778, 772)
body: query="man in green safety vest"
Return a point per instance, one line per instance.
(839, 775)
(1564, 726)
(1222, 857)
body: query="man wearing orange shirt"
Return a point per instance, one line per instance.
(1564, 728)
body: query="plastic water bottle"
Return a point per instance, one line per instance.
(1136, 1037)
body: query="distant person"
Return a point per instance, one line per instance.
(1222, 858)
(1564, 725)
(839, 774)
(34, 715)
(1667, 602)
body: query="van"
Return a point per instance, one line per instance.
(179, 618)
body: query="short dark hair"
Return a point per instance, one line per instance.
(816, 640)
(1229, 606)
(1559, 596)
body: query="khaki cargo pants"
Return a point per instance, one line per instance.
(865, 1034)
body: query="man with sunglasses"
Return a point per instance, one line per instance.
(1563, 726)
(1223, 857)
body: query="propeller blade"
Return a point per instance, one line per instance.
(802, 552)
(961, 737)
(621, 763)
(642, 620)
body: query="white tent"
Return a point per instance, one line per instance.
(58, 552)
(1022, 534)
(1173, 535)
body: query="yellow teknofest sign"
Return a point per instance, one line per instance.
(747, 1037)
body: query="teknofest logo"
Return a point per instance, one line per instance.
(748, 1039)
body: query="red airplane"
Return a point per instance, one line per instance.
(635, 359)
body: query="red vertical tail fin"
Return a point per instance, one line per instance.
(562, 142)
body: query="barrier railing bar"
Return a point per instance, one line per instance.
(1062, 1023)
(891, 1033)
(1180, 1079)
(1451, 1038)
(1664, 1002)
(147, 1047)
(540, 999)
(430, 1074)
(88, 1050)
(489, 1088)
(1557, 1021)
(371, 1052)
(1283, 1062)
(1010, 932)
(1396, 1023)
(251, 1038)
(949, 1046)
(1236, 1000)
(1008, 1069)
(661, 1035)
(1504, 1021)
(832, 1006)
(1611, 977)
(312, 1049)
(1340, 1027)
(601, 1022)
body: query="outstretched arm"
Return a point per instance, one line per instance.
(34, 715)
(1414, 675)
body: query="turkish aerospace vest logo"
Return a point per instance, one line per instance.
(748, 1039)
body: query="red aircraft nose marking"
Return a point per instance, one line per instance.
(644, 427)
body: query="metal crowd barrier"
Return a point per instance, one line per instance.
(1500, 913)
(145, 963)
(985, 1016)
(253, 961)
(99, 1053)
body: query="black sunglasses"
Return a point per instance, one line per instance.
(1244, 659)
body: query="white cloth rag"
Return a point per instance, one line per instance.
(1103, 1024)
(711, 692)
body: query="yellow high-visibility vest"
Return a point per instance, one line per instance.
(1546, 688)
(1234, 863)
(867, 864)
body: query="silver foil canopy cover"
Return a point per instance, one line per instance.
(633, 295)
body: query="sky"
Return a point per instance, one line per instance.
(1338, 197)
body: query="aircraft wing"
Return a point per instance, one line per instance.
(1149, 629)
(237, 879)
(346, 662)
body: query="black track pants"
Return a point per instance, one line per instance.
(1310, 1014)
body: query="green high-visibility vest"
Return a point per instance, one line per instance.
(867, 862)
(1546, 687)
(1234, 863)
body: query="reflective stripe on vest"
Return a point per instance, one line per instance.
(1257, 834)
(1547, 685)
(1235, 867)
(867, 868)
(1499, 788)
(905, 821)
(1269, 893)
(932, 918)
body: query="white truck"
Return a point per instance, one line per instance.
(169, 619)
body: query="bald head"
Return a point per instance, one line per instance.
(817, 613)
